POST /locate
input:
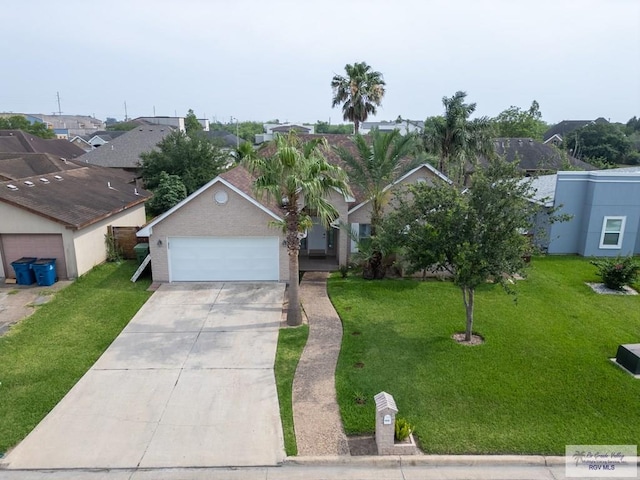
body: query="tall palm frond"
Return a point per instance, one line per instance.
(360, 92)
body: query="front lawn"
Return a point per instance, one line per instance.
(542, 379)
(43, 356)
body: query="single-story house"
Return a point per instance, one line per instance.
(124, 151)
(222, 232)
(56, 208)
(604, 206)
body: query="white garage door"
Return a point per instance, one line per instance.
(216, 259)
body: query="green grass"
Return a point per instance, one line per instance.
(542, 379)
(291, 342)
(43, 356)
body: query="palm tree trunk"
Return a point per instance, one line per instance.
(467, 297)
(356, 126)
(294, 312)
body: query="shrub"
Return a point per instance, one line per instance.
(617, 272)
(403, 429)
(344, 270)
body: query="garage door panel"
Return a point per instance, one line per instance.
(15, 246)
(222, 259)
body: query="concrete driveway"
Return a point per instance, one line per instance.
(188, 383)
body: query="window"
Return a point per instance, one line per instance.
(612, 232)
(364, 231)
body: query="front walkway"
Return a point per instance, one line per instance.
(316, 416)
(188, 383)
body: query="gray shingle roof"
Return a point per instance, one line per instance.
(17, 141)
(124, 151)
(536, 156)
(77, 197)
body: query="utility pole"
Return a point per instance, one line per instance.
(126, 117)
(59, 109)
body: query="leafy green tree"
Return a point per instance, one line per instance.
(297, 175)
(359, 93)
(600, 141)
(378, 162)
(326, 127)
(194, 159)
(456, 140)
(18, 122)
(633, 125)
(514, 122)
(169, 192)
(245, 130)
(476, 234)
(191, 123)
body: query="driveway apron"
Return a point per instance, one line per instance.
(188, 383)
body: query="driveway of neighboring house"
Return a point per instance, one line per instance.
(188, 383)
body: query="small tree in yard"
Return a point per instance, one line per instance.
(476, 234)
(297, 176)
(169, 192)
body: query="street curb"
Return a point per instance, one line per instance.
(432, 460)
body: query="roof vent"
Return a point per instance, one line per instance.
(135, 192)
(63, 159)
(57, 177)
(44, 180)
(29, 183)
(12, 187)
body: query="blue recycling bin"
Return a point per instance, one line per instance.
(24, 273)
(45, 270)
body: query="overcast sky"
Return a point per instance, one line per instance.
(261, 59)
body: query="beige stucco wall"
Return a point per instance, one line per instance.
(203, 217)
(18, 220)
(363, 214)
(90, 249)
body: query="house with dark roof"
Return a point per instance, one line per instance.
(557, 133)
(53, 207)
(222, 231)
(536, 158)
(124, 150)
(17, 141)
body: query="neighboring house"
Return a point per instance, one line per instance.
(80, 142)
(173, 122)
(68, 126)
(55, 208)
(103, 137)
(404, 125)
(124, 151)
(604, 206)
(271, 128)
(556, 134)
(222, 231)
(17, 141)
(225, 139)
(536, 157)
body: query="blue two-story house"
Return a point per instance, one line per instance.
(604, 206)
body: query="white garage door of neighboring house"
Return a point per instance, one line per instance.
(15, 246)
(221, 259)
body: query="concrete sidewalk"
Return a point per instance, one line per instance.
(188, 383)
(339, 468)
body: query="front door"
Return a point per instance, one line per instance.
(317, 238)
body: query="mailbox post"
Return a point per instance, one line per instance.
(386, 410)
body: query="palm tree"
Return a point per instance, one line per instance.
(359, 92)
(296, 176)
(455, 139)
(378, 163)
